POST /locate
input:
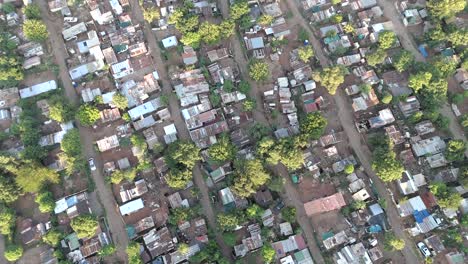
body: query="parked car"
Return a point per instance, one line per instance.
(70, 19)
(279, 205)
(92, 166)
(424, 249)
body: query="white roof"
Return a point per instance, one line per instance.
(116, 6)
(121, 69)
(74, 30)
(170, 42)
(131, 207)
(170, 129)
(145, 108)
(38, 89)
(60, 206)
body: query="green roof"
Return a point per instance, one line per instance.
(73, 242)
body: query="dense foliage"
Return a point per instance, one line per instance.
(313, 125)
(181, 157)
(249, 175)
(35, 30)
(223, 150)
(331, 78)
(85, 225)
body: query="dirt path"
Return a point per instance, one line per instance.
(360, 148)
(290, 195)
(407, 41)
(116, 225)
(198, 178)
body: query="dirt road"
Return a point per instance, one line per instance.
(407, 41)
(174, 108)
(290, 196)
(354, 138)
(116, 225)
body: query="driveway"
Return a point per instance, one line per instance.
(116, 225)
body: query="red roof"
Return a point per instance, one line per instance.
(325, 204)
(428, 199)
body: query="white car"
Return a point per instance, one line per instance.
(424, 249)
(70, 19)
(92, 166)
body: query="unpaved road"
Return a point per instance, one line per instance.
(290, 195)
(183, 133)
(104, 192)
(407, 41)
(354, 138)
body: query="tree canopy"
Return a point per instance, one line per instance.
(268, 253)
(46, 201)
(60, 110)
(223, 150)
(393, 243)
(32, 11)
(403, 60)
(10, 68)
(85, 225)
(9, 190)
(313, 125)
(442, 9)
(88, 114)
(331, 77)
(53, 237)
(376, 57)
(306, 53)
(259, 70)
(283, 151)
(35, 30)
(181, 157)
(13, 252)
(120, 101)
(385, 163)
(455, 150)
(239, 9)
(227, 222)
(445, 197)
(151, 14)
(249, 175)
(133, 252)
(7, 220)
(386, 39)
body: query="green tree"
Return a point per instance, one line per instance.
(313, 125)
(464, 121)
(458, 37)
(455, 150)
(387, 39)
(244, 87)
(13, 252)
(178, 179)
(239, 9)
(416, 117)
(32, 11)
(32, 177)
(107, 250)
(445, 197)
(71, 144)
(53, 237)
(331, 78)
(8, 8)
(358, 205)
(349, 169)
(288, 214)
(7, 220)
(120, 101)
(227, 222)
(268, 253)
(133, 253)
(403, 60)
(230, 239)
(183, 248)
(223, 150)
(248, 177)
(349, 28)
(227, 28)
(9, 190)
(85, 225)
(376, 57)
(386, 97)
(46, 201)
(248, 105)
(385, 164)
(35, 30)
(337, 18)
(254, 212)
(10, 69)
(210, 33)
(180, 215)
(393, 243)
(283, 151)
(88, 114)
(445, 8)
(182, 155)
(151, 14)
(259, 70)
(192, 39)
(276, 184)
(265, 20)
(305, 53)
(61, 111)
